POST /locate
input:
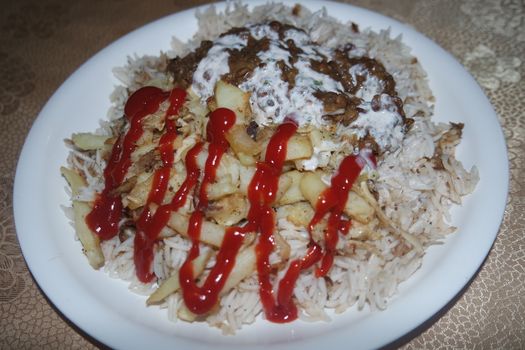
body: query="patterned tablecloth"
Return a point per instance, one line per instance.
(43, 42)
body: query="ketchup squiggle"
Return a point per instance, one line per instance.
(105, 216)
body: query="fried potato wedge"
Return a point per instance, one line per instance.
(358, 208)
(88, 141)
(230, 96)
(311, 187)
(90, 241)
(75, 181)
(241, 142)
(228, 210)
(244, 267)
(299, 147)
(171, 285)
(211, 233)
(88, 238)
(293, 193)
(355, 207)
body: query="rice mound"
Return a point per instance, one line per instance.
(414, 195)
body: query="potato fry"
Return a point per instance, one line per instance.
(299, 213)
(185, 314)
(138, 196)
(141, 151)
(245, 177)
(355, 207)
(246, 160)
(88, 238)
(211, 233)
(228, 168)
(283, 185)
(230, 96)
(244, 267)
(88, 141)
(359, 209)
(171, 285)
(311, 187)
(283, 248)
(221, 189)
(299, 147)
(229, 210)
(194, 104)
(293, 193)
(75, 181)
(241, 142)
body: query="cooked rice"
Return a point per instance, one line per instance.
(414, 196)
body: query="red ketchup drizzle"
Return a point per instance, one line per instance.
(261, 194)
(107, 210)
(200, 300)
(106, 214)
(150, 225)
(332, 201)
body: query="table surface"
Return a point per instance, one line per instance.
(43, 42)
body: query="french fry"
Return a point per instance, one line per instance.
(171, 285)
(311, 187)
(210, 233)
(355, 207)
(358, 208)
(138, 196)
(283, 185)
(299, 213)
(244, 267)
(185, 314)
(221, 189)
(88, 141)
(228, 210)
(293, 193)
(88, 238)
(241, 142)
(193, 102)
(142, 150)
(245, 177)
(228, 167)
(299, 147)
(230, 96)
(75, 181)
(246, 160)
(90, 241)
(283, 248)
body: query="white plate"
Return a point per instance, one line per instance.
(106, 310)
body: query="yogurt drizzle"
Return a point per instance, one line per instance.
(273, 98)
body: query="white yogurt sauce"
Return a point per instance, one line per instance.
(370, 87)
(385, 125)
(272, 100)
(299, 100)
(320, 156)
(215, 64)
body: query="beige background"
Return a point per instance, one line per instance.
(43, 42)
